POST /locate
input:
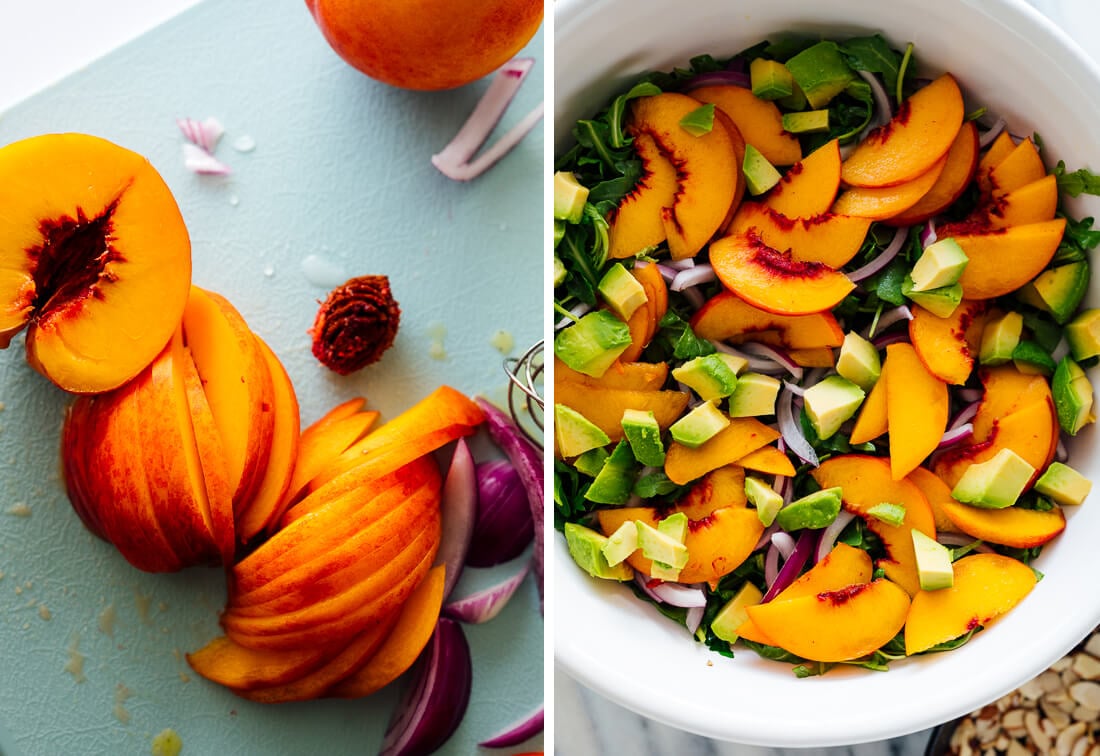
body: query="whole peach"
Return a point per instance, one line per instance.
(427, 44)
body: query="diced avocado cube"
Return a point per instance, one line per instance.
(700, 121)
(574, 434)
(760, 175)
(1032, 359)
(796, 100)
(621, 544)
(591, 344)
(712, 376)
(830, 402)
(559, 234)
(559, 272)
(940, 264)
(770, 79)
(859, 361)
(674, 526)
(806, 122)
(940, 302)
(699, 425)
(888, 512)
(586, 548)
(661, 571)
(591, 462)
(615, 480)
(1059, 290)
(622, 291)
(644, 436)
(1000, 337)
(815, 510)
(661, 548)
(755, 395)
(569, 197)
(821, 72)
(731, 616)
(996, 483)
(933, 562)
(1063, 484)
(1073, 396)
(1083, 335)
(764, 498)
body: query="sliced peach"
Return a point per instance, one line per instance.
(721, 120)
(947, 346)
(1031, 203)
(1003, 260)
(836, 625)
(403, 644)
(636, 376)
(723, 487)
(920, 133)
(741, 436)
(269, 501)
(829, 238)
(96, 259)
(1019, 168)
(705, 170)
(773, 280)
(716, 544)
(636, 224)
(643, 322)
(604, 407)
(1006, 390)
(1011, 526)
(324, 441)
(238, 385)
(866, 481)
(727, 317)
(314, 683)
(884, 202)
(1001, 148)
(767, 459)
(986, 586)
(809, 187)
(938, 495)
(1028, 431)
(816, 357)
(917, 405)
(759, 121)
(962, 163)
(235, 666)
(871, 422)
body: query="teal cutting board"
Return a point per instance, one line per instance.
(340, 173)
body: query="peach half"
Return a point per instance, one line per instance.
(95, 259)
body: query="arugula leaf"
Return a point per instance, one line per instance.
(657, 485)
(874, 55)
(675, 340)
(1075, 183)
(618, 108)
(890, 280)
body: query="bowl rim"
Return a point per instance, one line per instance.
(574, 659)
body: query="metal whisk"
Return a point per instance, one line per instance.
(525, 400)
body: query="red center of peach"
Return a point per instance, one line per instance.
(72, 257)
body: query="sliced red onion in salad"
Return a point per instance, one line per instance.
(956, 435)
(517, 732)
(992, 133)
(792, 567)
(756, 364)
(784, 542)
(883, 259)
(459, 514)
(966, 414)
(503, 527)
(928, 233)
(884, 340)
(791, 429)
(433, 704)
(694, 276)
(678, 594)
(456, 160)
(831, 532)
(776, 355)
(884, 108)
(962, 540)
(486, 604)
(889, 318)
(719, 78)
(693, 618)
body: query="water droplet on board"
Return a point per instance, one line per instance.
(323, 271)
(244, 143)
(269, 271)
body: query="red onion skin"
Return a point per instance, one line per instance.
(526, 728)
(807, 544)
(528, 463)
(504, 527)
(435, 701)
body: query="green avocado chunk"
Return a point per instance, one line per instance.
(699, 425)
(760, 174)
(933, 562)
(755, 395)
(615, 480)
(1059, 290)
(764, 498)
(1000, 337)
(816, 510)
(859, 361)
(623, 292)
(570, 197)
(586, 547)
(1032, 359)
(940, 264)
(770, 79)
(712, 376)
(574, 433)
(731, 616)
(807, 122)
(644, 436)
(1083, 334)
(1063, 484)
(996, 483)
(591, 344)
(1073, 396)
(940, 302)
(830, 402)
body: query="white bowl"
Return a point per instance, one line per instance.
(1007, 57)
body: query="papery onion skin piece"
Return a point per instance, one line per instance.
(516, 733)
(459, 513)
(433, 704)
(355, 324)
(503, 528)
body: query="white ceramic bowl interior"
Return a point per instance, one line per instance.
(1007, 57)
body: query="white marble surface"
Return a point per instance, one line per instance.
(586, 724)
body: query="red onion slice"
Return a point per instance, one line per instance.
(678, 594)
(928, 233)
(204, 134)
(884, 110)
(456, 160)
(891, 316)
(433, 705)
(755, 364)
(831, 532)
(486, 604)
(994, 131)
(882, 341)
(719, 78)
(792, 433)
(647, 585)
(776, 355)
(1060, 452)
(966, 414)
(883, 259)
(683, 264)
(528, 463)
(458, 511)
(694, 618)
(962, 539)
(198, 160)
(792, 568)
(785, 542)
(956, 435)
(503, 526)
(668, 273)
(517, 732)
(694, 276)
